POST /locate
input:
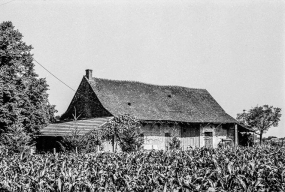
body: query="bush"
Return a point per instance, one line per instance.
(175, 143)
(131, 140)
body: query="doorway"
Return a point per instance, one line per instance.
(208, 139)
(167, 140)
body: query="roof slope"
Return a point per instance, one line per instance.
(154, 102)
(67, 128)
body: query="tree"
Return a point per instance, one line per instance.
(260, 118)
(124, 130)
(23, 96)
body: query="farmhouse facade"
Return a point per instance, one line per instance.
(192, 115)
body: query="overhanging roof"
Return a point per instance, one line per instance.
(68, 127)
(155, 102)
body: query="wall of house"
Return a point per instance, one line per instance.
(107, 146)
(219, 131)
(190, 135)
(154, 135)
(230, 131)
(86, 103)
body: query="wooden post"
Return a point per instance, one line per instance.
(76, 150)
(114, 143)
(236, 135)
(54, 151)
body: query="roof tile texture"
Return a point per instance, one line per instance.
(154, 102)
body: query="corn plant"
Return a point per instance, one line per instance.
(231, 169)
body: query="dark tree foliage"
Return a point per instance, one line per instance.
(23, 96)
(260, 118)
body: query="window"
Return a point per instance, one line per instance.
(208, 134)
(167, 135)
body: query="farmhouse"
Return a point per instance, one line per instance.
(192, 115)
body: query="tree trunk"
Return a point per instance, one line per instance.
(113, 143)
(260, 137)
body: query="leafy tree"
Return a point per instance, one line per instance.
(23, 96)
(260, 118)
(124, 130)
(16, 140)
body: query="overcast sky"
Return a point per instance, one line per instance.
(234, 49)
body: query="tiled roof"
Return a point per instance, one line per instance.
(154, 102)
(68, 127)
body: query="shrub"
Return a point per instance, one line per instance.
(175, 143)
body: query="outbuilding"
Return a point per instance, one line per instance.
(192, 115)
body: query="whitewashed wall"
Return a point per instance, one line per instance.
(154, 135)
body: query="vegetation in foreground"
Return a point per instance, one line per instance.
(241, 169)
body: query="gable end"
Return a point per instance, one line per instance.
(85, 104)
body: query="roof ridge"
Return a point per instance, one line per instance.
(132, 81)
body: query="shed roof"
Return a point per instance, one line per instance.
(68, 127)
(155, 102)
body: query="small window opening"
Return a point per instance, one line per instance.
(169, 96)
(129, 104)
(167, 135)
(208, 134)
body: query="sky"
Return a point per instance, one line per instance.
(234, 49)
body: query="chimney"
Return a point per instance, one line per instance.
(88, 73)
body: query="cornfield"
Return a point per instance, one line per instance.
(230, 169)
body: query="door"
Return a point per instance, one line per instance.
(167, 140)
(190, 136)
(208, 139)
